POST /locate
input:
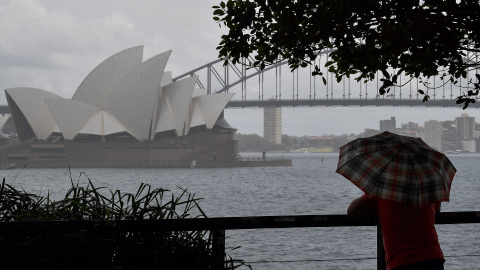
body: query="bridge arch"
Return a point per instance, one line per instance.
(310, 91)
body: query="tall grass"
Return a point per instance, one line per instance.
(114, 250)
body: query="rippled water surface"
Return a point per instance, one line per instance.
(308, 187)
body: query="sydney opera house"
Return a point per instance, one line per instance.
(126, 113)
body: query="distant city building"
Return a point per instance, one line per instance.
(410, 126)
(408, 129)
(433, 134)
(465, 127)
(388, 125)
(449, 132)
(420, 133)
(370, 132)
(469, 146)
(272, 124)
(321, 141)
(450, 146)
(409, 133)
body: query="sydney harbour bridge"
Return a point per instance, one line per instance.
(278, 86)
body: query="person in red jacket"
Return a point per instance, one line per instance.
(409, 234)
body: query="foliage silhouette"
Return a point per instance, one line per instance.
(420, 39)
(87, 249)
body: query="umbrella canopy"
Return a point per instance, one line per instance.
(399, 168)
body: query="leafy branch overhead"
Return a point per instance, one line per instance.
(419, 39)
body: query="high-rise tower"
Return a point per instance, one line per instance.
(465, 127)
(388, 125)
(272, 123)
(433, 134)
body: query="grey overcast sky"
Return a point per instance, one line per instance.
(54, 44)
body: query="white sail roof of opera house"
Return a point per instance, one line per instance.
(123, 94)
(3, 120)
(101, 82)
(177, 103)
(102, 123)
(30, 103)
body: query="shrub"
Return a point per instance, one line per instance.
(91, 249)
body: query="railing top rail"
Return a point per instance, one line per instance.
(220, 223)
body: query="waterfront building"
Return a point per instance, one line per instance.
(465, 127)
(433, 134)
(272, 124)
(321, 142)
(420, 133)
(408, 129)
(450, 146)
(388, 125)
(370, 132)
(449, 131)
(410, 126)
(121, 96)
(469, 146)
(126, 112)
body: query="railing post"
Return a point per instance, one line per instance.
(381, 264)
(218, 249)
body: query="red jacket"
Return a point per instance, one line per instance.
(409, 233)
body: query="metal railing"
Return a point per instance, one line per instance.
(218, 226)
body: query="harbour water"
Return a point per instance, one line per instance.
(309, 187)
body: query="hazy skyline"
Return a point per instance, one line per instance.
(54, 44)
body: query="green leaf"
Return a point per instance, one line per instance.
(218, 12)
(385, 74)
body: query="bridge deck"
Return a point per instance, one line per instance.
(4, 109)
(346, 102)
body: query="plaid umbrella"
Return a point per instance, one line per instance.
(399, 168)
